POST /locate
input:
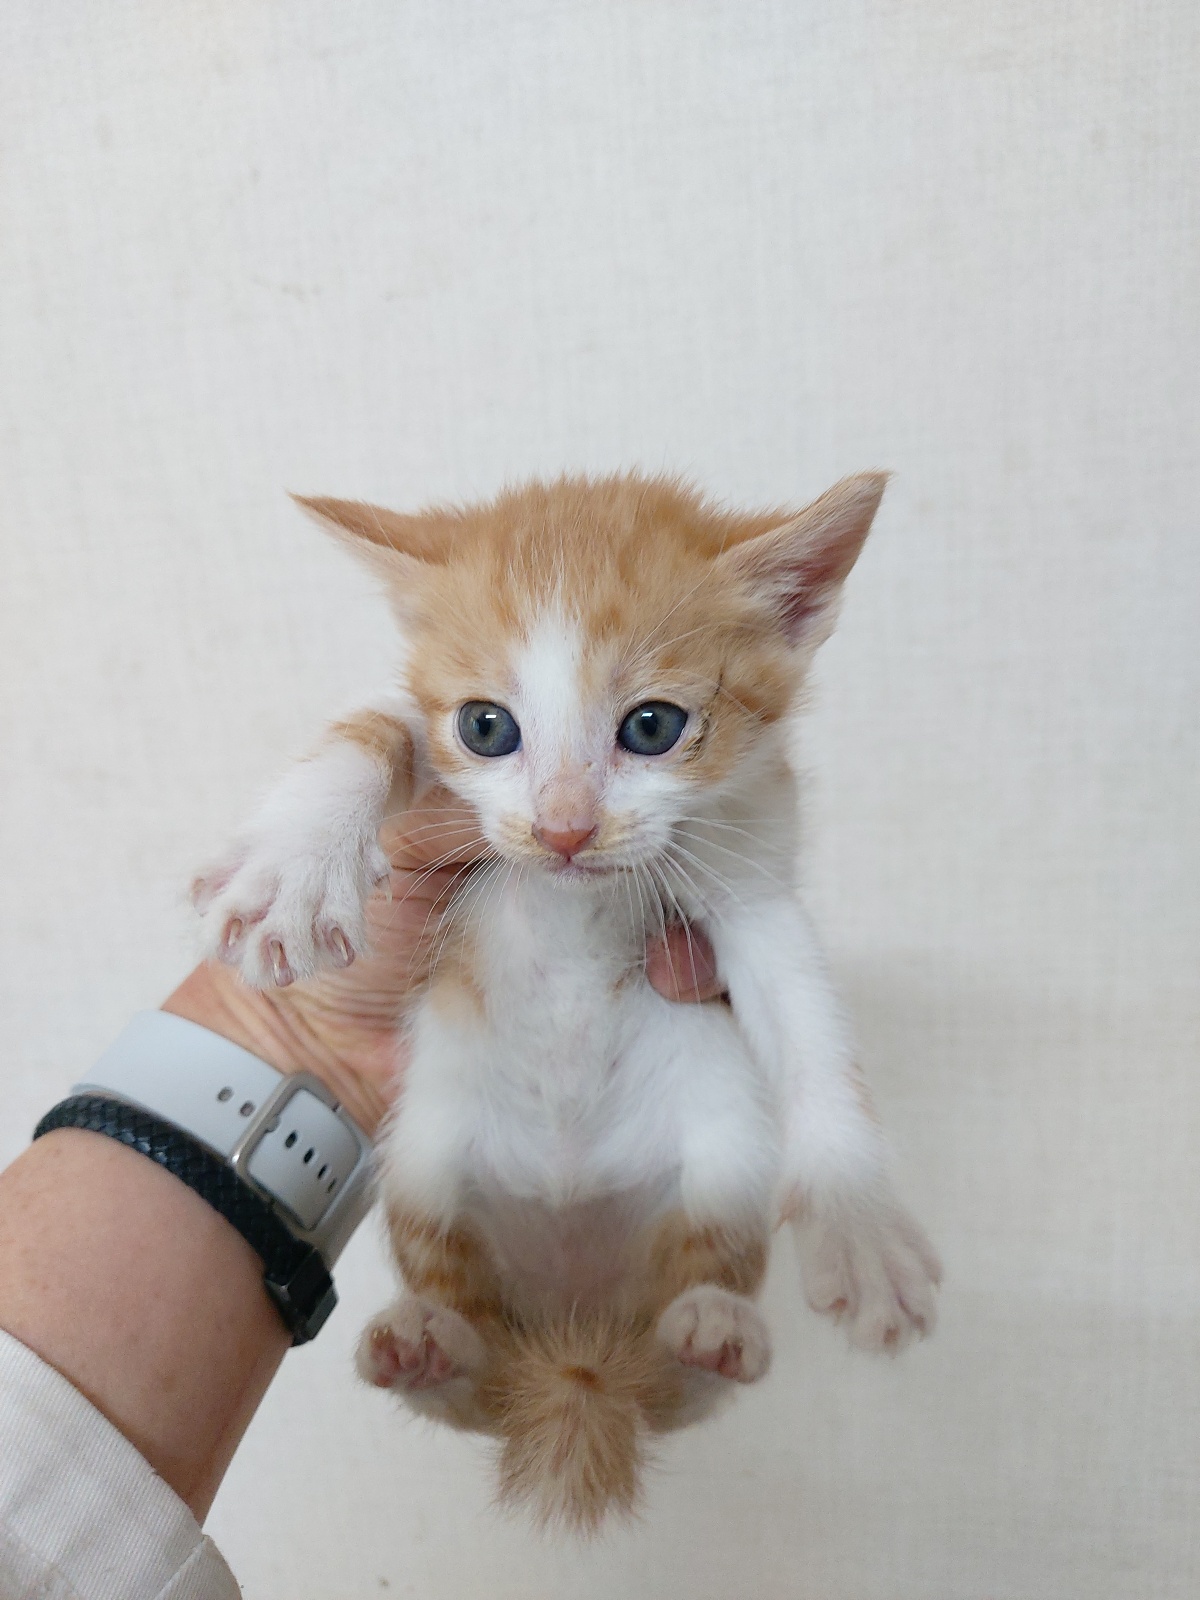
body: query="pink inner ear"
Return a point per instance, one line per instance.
(804, 563)
(800, 575)
(801, 602)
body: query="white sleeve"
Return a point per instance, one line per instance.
(82, 1514)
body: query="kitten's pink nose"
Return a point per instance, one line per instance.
(566, 842)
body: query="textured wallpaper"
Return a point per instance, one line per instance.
(407, 251)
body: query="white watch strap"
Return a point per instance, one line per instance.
(284, 1134)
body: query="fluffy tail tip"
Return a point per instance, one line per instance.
(575, 1405)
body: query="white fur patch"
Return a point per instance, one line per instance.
(553, 721)
(296, 880)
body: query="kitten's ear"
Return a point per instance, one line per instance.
(389, 542)
(398, 549)
(800, 566)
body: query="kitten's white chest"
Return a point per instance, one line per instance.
(558, 971)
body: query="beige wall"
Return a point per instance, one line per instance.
(408, 250)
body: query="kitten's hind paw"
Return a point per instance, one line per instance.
(415, 1344)
(873, 1270)
(709, 1328)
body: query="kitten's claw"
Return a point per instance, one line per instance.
(709, 1328)
(204, 891)
(872, 1270)
(281, 914)
(417, 1345)
(280, 970)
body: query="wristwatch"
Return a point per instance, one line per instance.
(274, 1153)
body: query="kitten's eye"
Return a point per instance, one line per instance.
(487, 729)
(652, 729)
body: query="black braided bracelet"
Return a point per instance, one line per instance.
(294, 1275)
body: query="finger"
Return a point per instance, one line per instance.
(431, 886)
(438, 829)
(682, 966)
(404, 917)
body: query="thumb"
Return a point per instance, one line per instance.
(681, 966)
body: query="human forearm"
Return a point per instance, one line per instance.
(143, 1297)
(137, 1291)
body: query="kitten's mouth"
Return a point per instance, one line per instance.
(575, 869)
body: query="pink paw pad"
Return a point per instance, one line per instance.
(727, 1360)
(717, 1332)
(393, 1362)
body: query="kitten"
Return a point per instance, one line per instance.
(580, 1178)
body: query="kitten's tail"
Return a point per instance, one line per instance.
(574, 1401)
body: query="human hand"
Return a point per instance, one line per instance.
(342, 1025)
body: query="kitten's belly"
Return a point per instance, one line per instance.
(566, 1109)
(568, 1144)
(581, 1252)
(577, 1156)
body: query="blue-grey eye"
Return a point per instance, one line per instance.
(652, 729)
(488, 729)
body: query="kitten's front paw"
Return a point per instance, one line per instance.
(709, 1328)
(872, 1268)
(415, 1345)
(279, 909)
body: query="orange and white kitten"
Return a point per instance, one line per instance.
(581, 1179)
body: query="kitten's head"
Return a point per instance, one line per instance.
(595, 659)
